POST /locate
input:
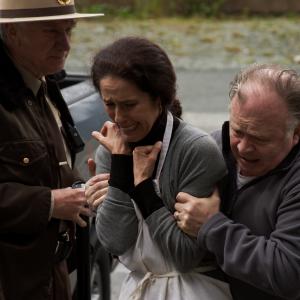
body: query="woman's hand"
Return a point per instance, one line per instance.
(96, 190)
(144, 159)
(111, 138)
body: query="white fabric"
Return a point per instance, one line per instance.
(241, 180)
(151, 276)
(163, 153)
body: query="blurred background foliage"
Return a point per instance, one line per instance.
(188, 8)
(154, 8)
(197, 34)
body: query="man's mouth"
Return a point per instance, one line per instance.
(249, 160)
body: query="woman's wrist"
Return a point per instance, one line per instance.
(121, 149)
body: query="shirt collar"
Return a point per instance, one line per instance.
(31, 81)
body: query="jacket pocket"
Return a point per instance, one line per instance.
(25, 161)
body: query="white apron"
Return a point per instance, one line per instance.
(151, 277)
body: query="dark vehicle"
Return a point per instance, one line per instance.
(88, 113)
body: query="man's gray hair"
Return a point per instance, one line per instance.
(285, 82)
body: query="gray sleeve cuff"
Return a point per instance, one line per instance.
(215, 221)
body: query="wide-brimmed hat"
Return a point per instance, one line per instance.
(12, 11)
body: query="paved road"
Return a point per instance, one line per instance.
(204, 97)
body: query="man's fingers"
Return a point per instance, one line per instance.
(216, 193)
(180, 216)
(79, 194)
(182, 197)
(99, 188)
(182, 223)
(96, 195)
(98, 202)
(177, 215)
(93, 186)
(79, 221)
(98, 178)
(182, 201)
(179, 207)
(92, 167)
(86, 211)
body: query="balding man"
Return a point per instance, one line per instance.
(256, 236)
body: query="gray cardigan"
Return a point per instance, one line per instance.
(194, 165)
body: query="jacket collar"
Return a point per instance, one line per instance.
(30, 81)
(13, 88)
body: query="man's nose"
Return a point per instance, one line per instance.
(64, 41)
(245, 146)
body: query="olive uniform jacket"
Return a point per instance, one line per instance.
(29, 169)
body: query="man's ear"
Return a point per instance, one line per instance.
(296, 136)
(9, 30)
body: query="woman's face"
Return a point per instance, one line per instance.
(133, 110)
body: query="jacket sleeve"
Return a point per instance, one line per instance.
(116, 221)
(270, 263)
(23, 209)
(200, 167)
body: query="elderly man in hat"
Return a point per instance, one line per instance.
(38, 142)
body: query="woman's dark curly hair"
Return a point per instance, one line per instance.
(143, 63)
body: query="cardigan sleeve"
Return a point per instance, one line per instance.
(196, 165)
(116, 221)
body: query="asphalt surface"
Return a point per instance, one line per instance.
(204, 97)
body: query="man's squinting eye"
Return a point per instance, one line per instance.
(130, 104)
(236, 131)
(108, 103)
(261, 140)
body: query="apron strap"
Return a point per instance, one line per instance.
(164, 150)
(146, 280)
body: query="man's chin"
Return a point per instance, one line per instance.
(248, 169)
(57, 64)
(251, 172)
(55, 70)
